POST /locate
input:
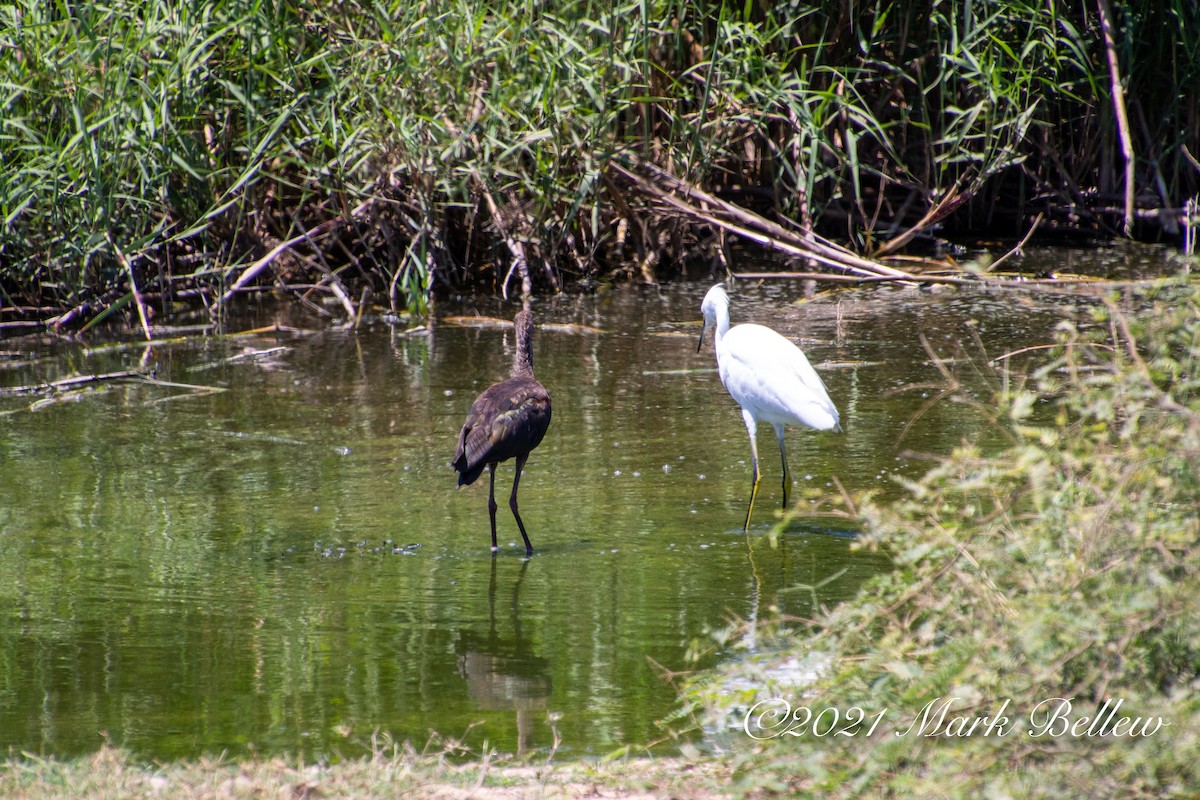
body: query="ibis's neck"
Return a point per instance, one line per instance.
(523, 358)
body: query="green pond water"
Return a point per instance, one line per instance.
(286, 566)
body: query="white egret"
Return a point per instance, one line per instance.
(770, 378)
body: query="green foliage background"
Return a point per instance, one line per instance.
(193, 137)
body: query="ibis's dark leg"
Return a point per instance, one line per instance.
(492, 501)
(752, 427)
(787, 474)
(512, 503)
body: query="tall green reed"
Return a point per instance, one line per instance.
(197, 136)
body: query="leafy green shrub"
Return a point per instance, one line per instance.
(1065, 566)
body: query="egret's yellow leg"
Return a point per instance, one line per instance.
(752, 427)
(753, 490)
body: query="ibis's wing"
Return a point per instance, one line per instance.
(508, 420)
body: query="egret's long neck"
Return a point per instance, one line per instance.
(722, 322)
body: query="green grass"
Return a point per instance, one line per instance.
(391, 772)
(1064, 566)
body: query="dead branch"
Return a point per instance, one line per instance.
(944, 208)
(133, 287)
(698, 204)
(254, 270)
(1191, 159)
(1021, 244)
(70, 383)
(68, 317)
(1118, 100)
(520, 263)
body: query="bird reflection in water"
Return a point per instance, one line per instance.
(502, 672)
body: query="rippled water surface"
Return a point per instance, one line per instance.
(285, 565)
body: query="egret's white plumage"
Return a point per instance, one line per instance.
(770, 378)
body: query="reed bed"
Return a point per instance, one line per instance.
(380, 153)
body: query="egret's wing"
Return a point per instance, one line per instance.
(763, 369)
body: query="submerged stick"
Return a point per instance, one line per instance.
(339, 291)
(244, 356)
(70, 383)
(1020, 245)
(69, 388)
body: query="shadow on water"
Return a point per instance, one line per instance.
(286, 566)
(502, 671)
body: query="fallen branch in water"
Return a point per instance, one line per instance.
(1008, 281)
(985, 279)
(72, 382)
(852, 268)
(697, 204)
(73, 388)
(21, 324)
(243, 356)
(1020, 245)
(949, 203)
(73, 314)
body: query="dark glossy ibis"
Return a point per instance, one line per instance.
(508, 420)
